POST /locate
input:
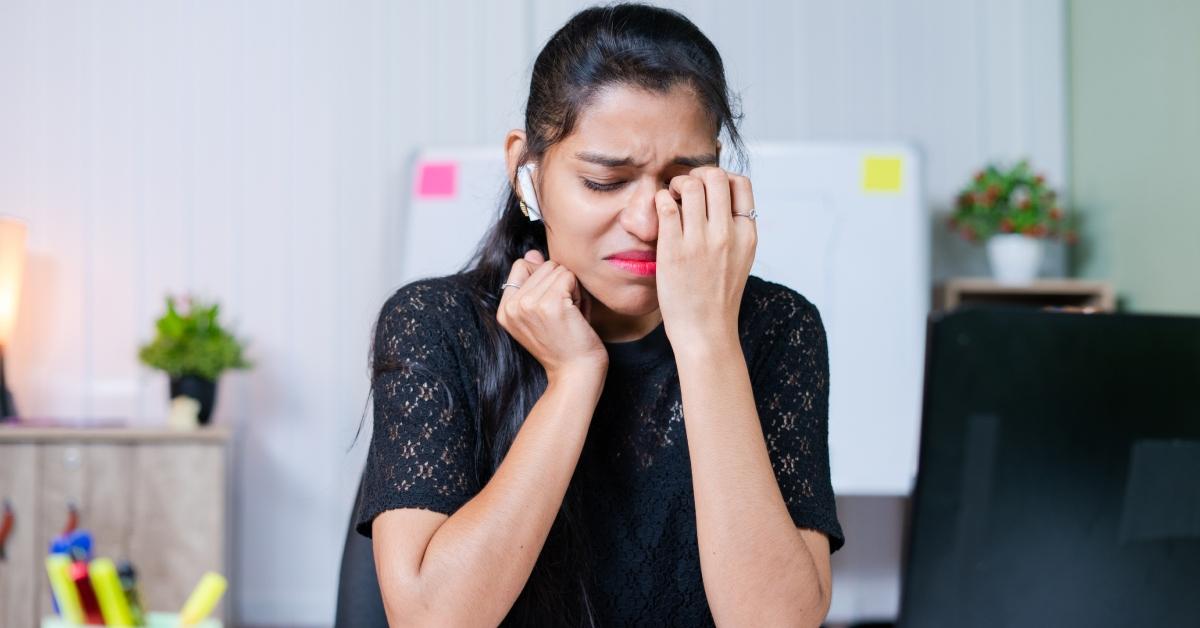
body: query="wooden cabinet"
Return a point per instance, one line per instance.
(155, 497)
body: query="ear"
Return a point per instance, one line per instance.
(718, 152)
(514, 145)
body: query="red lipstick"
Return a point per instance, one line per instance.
(637, 261)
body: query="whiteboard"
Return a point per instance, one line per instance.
(844, 224)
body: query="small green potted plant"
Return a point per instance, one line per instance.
(193, 349)
(1015, 212)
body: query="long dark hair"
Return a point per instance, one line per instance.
(629, 44)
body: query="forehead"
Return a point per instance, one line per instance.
(630, 121)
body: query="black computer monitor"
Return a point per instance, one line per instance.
(1059, 472)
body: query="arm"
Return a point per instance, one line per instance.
(759, 569)
(469, 568)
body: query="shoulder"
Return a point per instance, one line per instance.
(444, 295)
(769, 307)
(427, 312)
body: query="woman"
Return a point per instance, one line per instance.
(603, 419)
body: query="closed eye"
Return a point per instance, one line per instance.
(601, 187)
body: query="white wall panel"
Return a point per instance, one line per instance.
(253, 152)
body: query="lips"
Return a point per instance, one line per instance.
(634, 255)
(636, 261)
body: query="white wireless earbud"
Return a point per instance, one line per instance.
(528, 195)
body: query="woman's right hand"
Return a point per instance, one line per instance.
(549, 314)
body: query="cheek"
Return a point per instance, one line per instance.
(579, 221)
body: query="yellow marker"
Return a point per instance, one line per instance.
(58, 568)
(881, 173)
(114, 606)
(203, 599)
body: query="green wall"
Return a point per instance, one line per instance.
(1134, 115)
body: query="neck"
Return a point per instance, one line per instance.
(614, 327)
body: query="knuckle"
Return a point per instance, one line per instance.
(712, 174)
(680, 180)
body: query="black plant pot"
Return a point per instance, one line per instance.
(198, 388)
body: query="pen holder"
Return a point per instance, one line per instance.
(153, 620)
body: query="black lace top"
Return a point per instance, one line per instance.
(641, 511)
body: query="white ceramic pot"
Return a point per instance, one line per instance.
(1014, 258)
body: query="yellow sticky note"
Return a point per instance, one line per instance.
(881, 173)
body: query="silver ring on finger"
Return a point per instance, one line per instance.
(752, 214)
(507, 284)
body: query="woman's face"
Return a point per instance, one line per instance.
(596, 192)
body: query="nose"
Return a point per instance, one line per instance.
(640, 217)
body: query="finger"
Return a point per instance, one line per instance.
(517, 276)
(690, 191)
(547, 285)
(533, 286)
(566, 285)
(717, 198)
(741, 196)
(743, 202)
(670, 229)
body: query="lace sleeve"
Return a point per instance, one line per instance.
(792, 394)
(421, 446)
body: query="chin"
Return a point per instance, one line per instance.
(629, 299)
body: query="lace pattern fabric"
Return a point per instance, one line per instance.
(634, 472)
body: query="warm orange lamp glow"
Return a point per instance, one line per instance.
(12, 269)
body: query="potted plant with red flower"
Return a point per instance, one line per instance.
(1015, 212)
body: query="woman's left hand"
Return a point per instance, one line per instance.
(704, 255)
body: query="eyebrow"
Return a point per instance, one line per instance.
(694, 161)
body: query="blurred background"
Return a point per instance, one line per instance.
(256, 154)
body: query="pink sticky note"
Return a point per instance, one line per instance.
(437, 179)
